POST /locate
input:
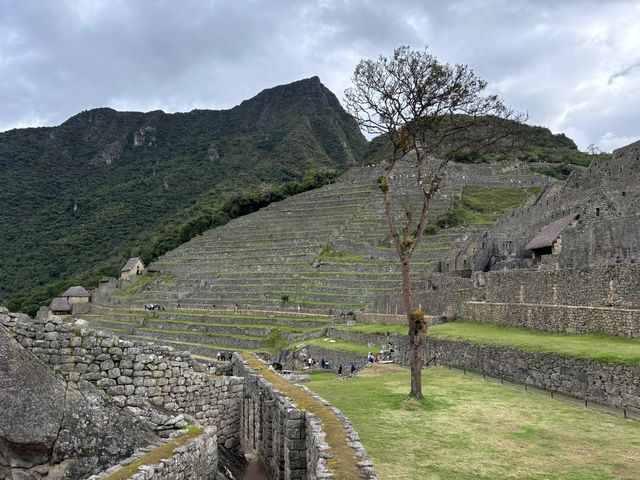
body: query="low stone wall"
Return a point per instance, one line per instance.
(603, 299)
(198, 458)
(334, 357)
(374, 340)
(380, 318)
(608, 384)
(556, 318)
(135, 375)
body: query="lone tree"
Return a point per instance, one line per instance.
(430, 113)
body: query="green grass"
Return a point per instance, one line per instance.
(480, 205)
(467, 429)
(329, 253)
(376, 328)
(137, 287)
(334, 344)
(592, 346)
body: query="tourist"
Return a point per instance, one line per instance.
(340, 371)
(370, 358)
(323, 364)
(218, 356)
(222, 357)
(353, 368)
(618, 260)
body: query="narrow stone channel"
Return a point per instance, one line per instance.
(255, 471)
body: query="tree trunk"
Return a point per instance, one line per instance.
(417, 331)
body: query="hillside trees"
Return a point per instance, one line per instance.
(430, 112)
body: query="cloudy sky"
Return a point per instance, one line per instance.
(573, 65)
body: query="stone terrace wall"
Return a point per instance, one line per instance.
(595, 286)
(134, 374)
(296, 360)
(604, 383)
(603, 299)
(450, 292)
(556, 318)
(609, 384)
(198, 458)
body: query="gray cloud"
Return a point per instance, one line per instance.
(557, 60)
(623, 72)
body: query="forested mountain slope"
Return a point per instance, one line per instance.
(78, 199)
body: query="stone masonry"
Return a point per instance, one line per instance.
(136, 375)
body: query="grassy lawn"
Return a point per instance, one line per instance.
(466, 428)
(480, 205)
(376, 328)
(592, 346)
(335, 344)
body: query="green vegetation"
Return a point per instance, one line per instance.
(334, 344)
(592, 346)
(137, 287)
(560, 171)
(376, 328)
(526, 143)
(481, 205)
(330, 254)
(82, 197)
(467, 429)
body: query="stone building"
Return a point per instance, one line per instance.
(133, 267)
(548, 241)
(77, 294)
(60, 306)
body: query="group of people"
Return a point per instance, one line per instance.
(223, 356)
(383, 356)
(352, 370)
(153, 306)
(325, 365)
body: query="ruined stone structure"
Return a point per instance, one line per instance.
(595, 208)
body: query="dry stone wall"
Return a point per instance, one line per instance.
(608, 384)
(196, 459)
(556, 318)
(605, 383)
(602, 298)
(136, 375)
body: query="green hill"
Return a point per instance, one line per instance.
(79, 198)
(527, 143)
